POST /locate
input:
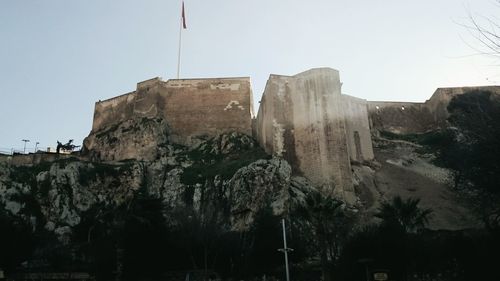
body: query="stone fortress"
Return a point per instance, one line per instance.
(303, 118)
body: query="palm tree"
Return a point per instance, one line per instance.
(325, 215)
(404, 214)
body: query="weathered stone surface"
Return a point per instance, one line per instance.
(138, 138)
(59, 194)
(264, 183)
(193, 108)
(416, 117)
(359, 140)
(225, 144)
(301, 118)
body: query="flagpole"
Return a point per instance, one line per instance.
(180, 41)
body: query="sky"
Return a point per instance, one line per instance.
(58, 57)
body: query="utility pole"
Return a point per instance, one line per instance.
(285, 250)
(25, 141)
(36, 146)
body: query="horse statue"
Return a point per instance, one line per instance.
(67, 147)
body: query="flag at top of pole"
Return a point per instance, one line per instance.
(183, 16)
(182, 26)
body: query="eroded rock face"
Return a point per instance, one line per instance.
(227, 144)
(57, 194)
(264, 183)
(229, 173)
(149, 139)
(140, 139)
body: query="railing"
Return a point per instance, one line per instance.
(16, 150)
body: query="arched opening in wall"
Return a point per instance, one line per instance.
(357, 144)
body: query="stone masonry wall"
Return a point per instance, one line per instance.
(400, 117)
(33, 158)
(359, 140)
(301, 118)
(407, 117)
(193, 108)
(439, 101)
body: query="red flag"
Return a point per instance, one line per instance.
(183, 16)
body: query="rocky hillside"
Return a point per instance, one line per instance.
(72, 205)
(218, 203)
(230, 171)
(408, 170)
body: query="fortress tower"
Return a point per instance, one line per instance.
(305, 119)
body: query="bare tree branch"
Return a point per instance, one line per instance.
(485, 32)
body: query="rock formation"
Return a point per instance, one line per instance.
(189, 143)
(230, 172)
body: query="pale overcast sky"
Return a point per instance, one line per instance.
(57, 57)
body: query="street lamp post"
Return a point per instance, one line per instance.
(36, 146)
(285, 250)
(25, 141)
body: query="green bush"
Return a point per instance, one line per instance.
(226, 167)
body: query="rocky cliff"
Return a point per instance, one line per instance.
(229, 171)
(221, 196)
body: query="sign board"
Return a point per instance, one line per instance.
(380, 276)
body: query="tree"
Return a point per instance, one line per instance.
(328, 221)
(405, 215)
(475, 114)
(199, 233)
(130, 239)
(264, 239)
(485, 31)
(17, 241)
(143, 237)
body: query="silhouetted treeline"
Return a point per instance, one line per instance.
(139, 242)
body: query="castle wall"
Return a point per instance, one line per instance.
(406, 117)
(439, 101)
(359, 140)
(110, 111)
(301, 118)
(400, 117)
(33, 158)
(193, 108)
